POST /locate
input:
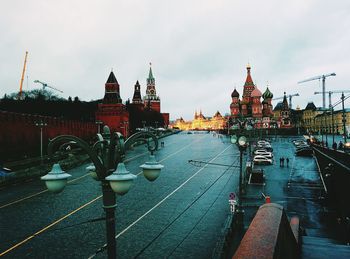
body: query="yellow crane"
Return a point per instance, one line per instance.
(22, 77)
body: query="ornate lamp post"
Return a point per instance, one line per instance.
(41, 124)
(242, 145)
(107, 155)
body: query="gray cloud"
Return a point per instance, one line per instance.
(199, 49)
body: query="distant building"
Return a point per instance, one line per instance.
(200, 122)
(308, 117)
(323, 122)
(283, 115)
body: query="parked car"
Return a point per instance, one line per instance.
(305, 151)
(298, 143)
(261, 160)
(261, 151)
(263, 142)
(257, 150)
(266, 147)
(302, 146)
(265, 154)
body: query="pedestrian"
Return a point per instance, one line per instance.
(334, 145)
(282, 161)
(287, 162)
(340, 145)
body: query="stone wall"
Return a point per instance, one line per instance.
(20, 137)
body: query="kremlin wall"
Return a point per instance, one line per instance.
(19, 135)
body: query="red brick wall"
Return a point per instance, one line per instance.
(155, 105)
(115, 116)
(19, 136)
(166, 119)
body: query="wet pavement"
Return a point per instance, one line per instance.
(181, 214)
(298, 188)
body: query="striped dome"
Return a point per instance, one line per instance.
(267, 94)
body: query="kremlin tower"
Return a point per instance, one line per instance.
(112, 112)
(151, 99)
(137, 93)
(137, 99)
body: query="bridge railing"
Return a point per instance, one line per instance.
(270, 235)
(338, 156)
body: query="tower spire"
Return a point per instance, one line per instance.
(137, 93)
(151, 95)
(112, 94)
(150, 74)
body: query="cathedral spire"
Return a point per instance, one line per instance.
(248, 80)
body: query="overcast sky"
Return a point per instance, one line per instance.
(199, 49)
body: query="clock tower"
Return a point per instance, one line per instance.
(151, 99)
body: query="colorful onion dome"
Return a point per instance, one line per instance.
(256, 93)
(267, 94)
(235, 93)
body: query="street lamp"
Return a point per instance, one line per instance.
(98, 123)
(242, 145)
(56, 179)
(107, 156)
(41, 124)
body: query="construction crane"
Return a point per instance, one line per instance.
(46, 85)
(323, 77)
(22, 77)
(290, 96)
(330, 94)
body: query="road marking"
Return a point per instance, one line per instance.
(74, 211)
(49, 226)
(164, 199)
(71, 181)
(36, 194)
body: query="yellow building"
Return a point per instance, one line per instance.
(200, 122)
(323, 122)
(308, 117)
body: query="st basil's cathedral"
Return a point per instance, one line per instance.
(253, 109)
(250, 109)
